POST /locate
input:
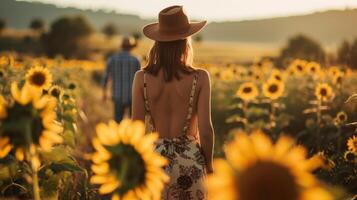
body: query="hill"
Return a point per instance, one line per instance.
(18, 14)
(329, 27)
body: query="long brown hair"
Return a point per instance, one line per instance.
(172, 57)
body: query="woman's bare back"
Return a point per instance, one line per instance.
(169, 104)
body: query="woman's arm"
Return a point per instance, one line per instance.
(138, 104)
(204, 119)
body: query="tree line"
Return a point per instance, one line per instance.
(65, 33)
(304, 47)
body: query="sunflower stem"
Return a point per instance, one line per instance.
(35, 186)
(318, 119)
(244, 109)
(272, 119)
(339, 139)
(31, 156)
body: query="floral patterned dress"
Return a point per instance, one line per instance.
(186, 167)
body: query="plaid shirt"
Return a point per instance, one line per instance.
(121, 67)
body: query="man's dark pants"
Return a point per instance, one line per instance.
(119, 109)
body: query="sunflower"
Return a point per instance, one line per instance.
(276, 75)
(352, 144)
(39, 77)
(258, 76)
(273, 89)
(72, 86)
(3, 110)
(2, 73)
(125, 163)
(341, 117)
(30, 121)
(267, 64)
(350, 156)
(323, 91)
(290, 72)
(227, 75)
(247, 91)
(250, 73)
(7, 60)
(326, 163)
(313, 67)
(337, 78)
(298, 67)
(257, 169)
(333, 71)
(55, 91)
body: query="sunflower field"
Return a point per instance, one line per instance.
(280, 134)
(311, 103)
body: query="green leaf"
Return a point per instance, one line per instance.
(60, 167)
(4, 172)
(236, 118)
(49, 187)
(69, 138)
(57, 154)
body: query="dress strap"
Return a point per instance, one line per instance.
(147, 107)
(190, 104)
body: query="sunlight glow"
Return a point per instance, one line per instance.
(216, 10)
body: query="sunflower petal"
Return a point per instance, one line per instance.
(4, 141)
(20, 154)
(109, 187)
(5, 150)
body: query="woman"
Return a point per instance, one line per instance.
(176, 99)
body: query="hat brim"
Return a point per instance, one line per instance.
(128, 46)
(152, 31)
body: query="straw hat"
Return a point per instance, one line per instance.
(173, 25)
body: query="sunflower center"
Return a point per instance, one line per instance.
(299, 67)
(273, 88)
(277, 77)
(313, 69)
(72, 86)
(38, 79)
(129, 166)
(247, 90)
(55, 92)
(342, 117)
(323, 92)
(267, 180)
(350, 156)
(25, 129)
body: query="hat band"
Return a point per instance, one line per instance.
(178, 30)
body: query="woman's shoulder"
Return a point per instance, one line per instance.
(139, 73)
(139, 76)
(202, 73)
(203, 77)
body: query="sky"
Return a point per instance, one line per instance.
(212, 10)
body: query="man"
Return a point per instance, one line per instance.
(121, 68)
